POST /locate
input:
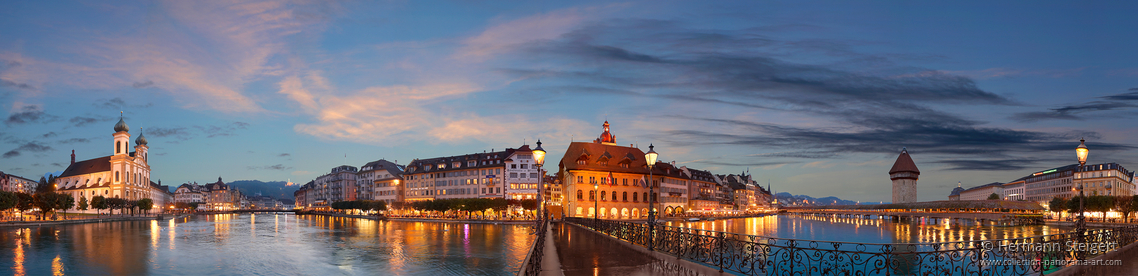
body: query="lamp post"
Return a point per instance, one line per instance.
(595, 210)
(1080, 223)
(539, 160)
(650, 157)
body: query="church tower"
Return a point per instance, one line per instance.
(122, 153)
(140, 148)
(904, 175)
(606, 137)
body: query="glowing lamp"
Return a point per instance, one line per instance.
(539, 154)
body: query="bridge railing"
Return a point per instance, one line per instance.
(758, 255)
(532, 263)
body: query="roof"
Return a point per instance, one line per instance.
(904, 164)
(993, 184)
(418, 165)
(101, 164)
(382, 164)
(591, 152)
(956, 191)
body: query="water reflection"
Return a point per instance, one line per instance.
(869, 230)
(286, 244)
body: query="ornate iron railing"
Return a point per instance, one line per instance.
(532, 265)
(758, 255)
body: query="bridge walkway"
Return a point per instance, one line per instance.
(580, 251)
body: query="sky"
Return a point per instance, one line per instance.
(817, 98)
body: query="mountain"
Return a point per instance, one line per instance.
(276, 189)
(788, 199)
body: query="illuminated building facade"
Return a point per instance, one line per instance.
(1105, 179)
(124, 174)
(617, 172)
(476, 175)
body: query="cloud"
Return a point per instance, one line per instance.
(277, 167)
(28, 114)
(57, 164)
(222, 130)
(78, 121)
(1123, 101)
(284, 155)
(117, 103)
(179, 133)
(49, 134)
(13, 84)
(144, 84)
(27, 147)
(75, 140)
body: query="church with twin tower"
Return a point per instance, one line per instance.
(124, 174)
(904, 175)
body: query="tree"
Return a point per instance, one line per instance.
(145, 204)
(1134, 203)
(46, 202)
(45, 186)
(993, 196)
(8, 200)
(83, 203)
(63, 202)
(25, 202)
(1102, 204)
(194, 205)
(99, 203)
(1058, 205)
(1073, 206)
(1122, 204)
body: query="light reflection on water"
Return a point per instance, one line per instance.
(866, 230)
(266, 244)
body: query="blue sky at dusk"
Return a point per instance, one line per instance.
(819, 98)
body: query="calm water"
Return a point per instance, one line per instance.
(265, 244)
(867, 230)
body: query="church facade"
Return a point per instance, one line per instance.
(123, 174)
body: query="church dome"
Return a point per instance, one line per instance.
(141, 140)
(121, 126)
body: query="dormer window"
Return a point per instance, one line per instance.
(471, 163)
(442, 166)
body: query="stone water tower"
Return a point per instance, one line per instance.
(904, 175)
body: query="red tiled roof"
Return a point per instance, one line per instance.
(904, 164)
(594, 151)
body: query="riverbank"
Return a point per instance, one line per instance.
(40, 223)
(421, 219)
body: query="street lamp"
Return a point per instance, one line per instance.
(594, 198)
(650, 157)
(539, 159)
(1081, 152)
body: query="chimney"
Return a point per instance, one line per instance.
(72, 157)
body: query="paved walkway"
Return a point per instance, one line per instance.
(580, 251)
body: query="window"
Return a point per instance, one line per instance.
(580, 179)
(513, 175)
(592, 195)
(634, 199)
(624, 196)
(523, 166)
(645, 197)
(592, 179)
(513, 166)
(603, 197)
(532, 175)
(581, 162)
(613, 196)
(116, 176)
(624, 165)
(118, 147)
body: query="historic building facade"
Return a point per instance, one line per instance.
(1105, 179)
(124, 174)
(521, 174)
(477, 175)
(1044, 185)
(605, 175)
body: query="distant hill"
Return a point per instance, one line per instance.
(275, 189)
(805, 200)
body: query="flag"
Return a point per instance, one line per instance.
(612, 180)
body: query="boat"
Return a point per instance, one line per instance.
(710, 219)
(693, 219)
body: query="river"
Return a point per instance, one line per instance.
(265, 244)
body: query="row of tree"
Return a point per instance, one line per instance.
(1121, 204)
(47, 201)
(362, 205)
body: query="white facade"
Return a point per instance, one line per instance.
(1013, 191)
(982, 192)
(521, 175)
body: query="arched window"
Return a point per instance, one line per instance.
(634, 197)
(116, 176)
(613, 196)
(645, 197)
(625, 196)
(653, 198)
(603, 197)
(579, 196)
(118, 147)
(592, 195)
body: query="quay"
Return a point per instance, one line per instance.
(1000, 212)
